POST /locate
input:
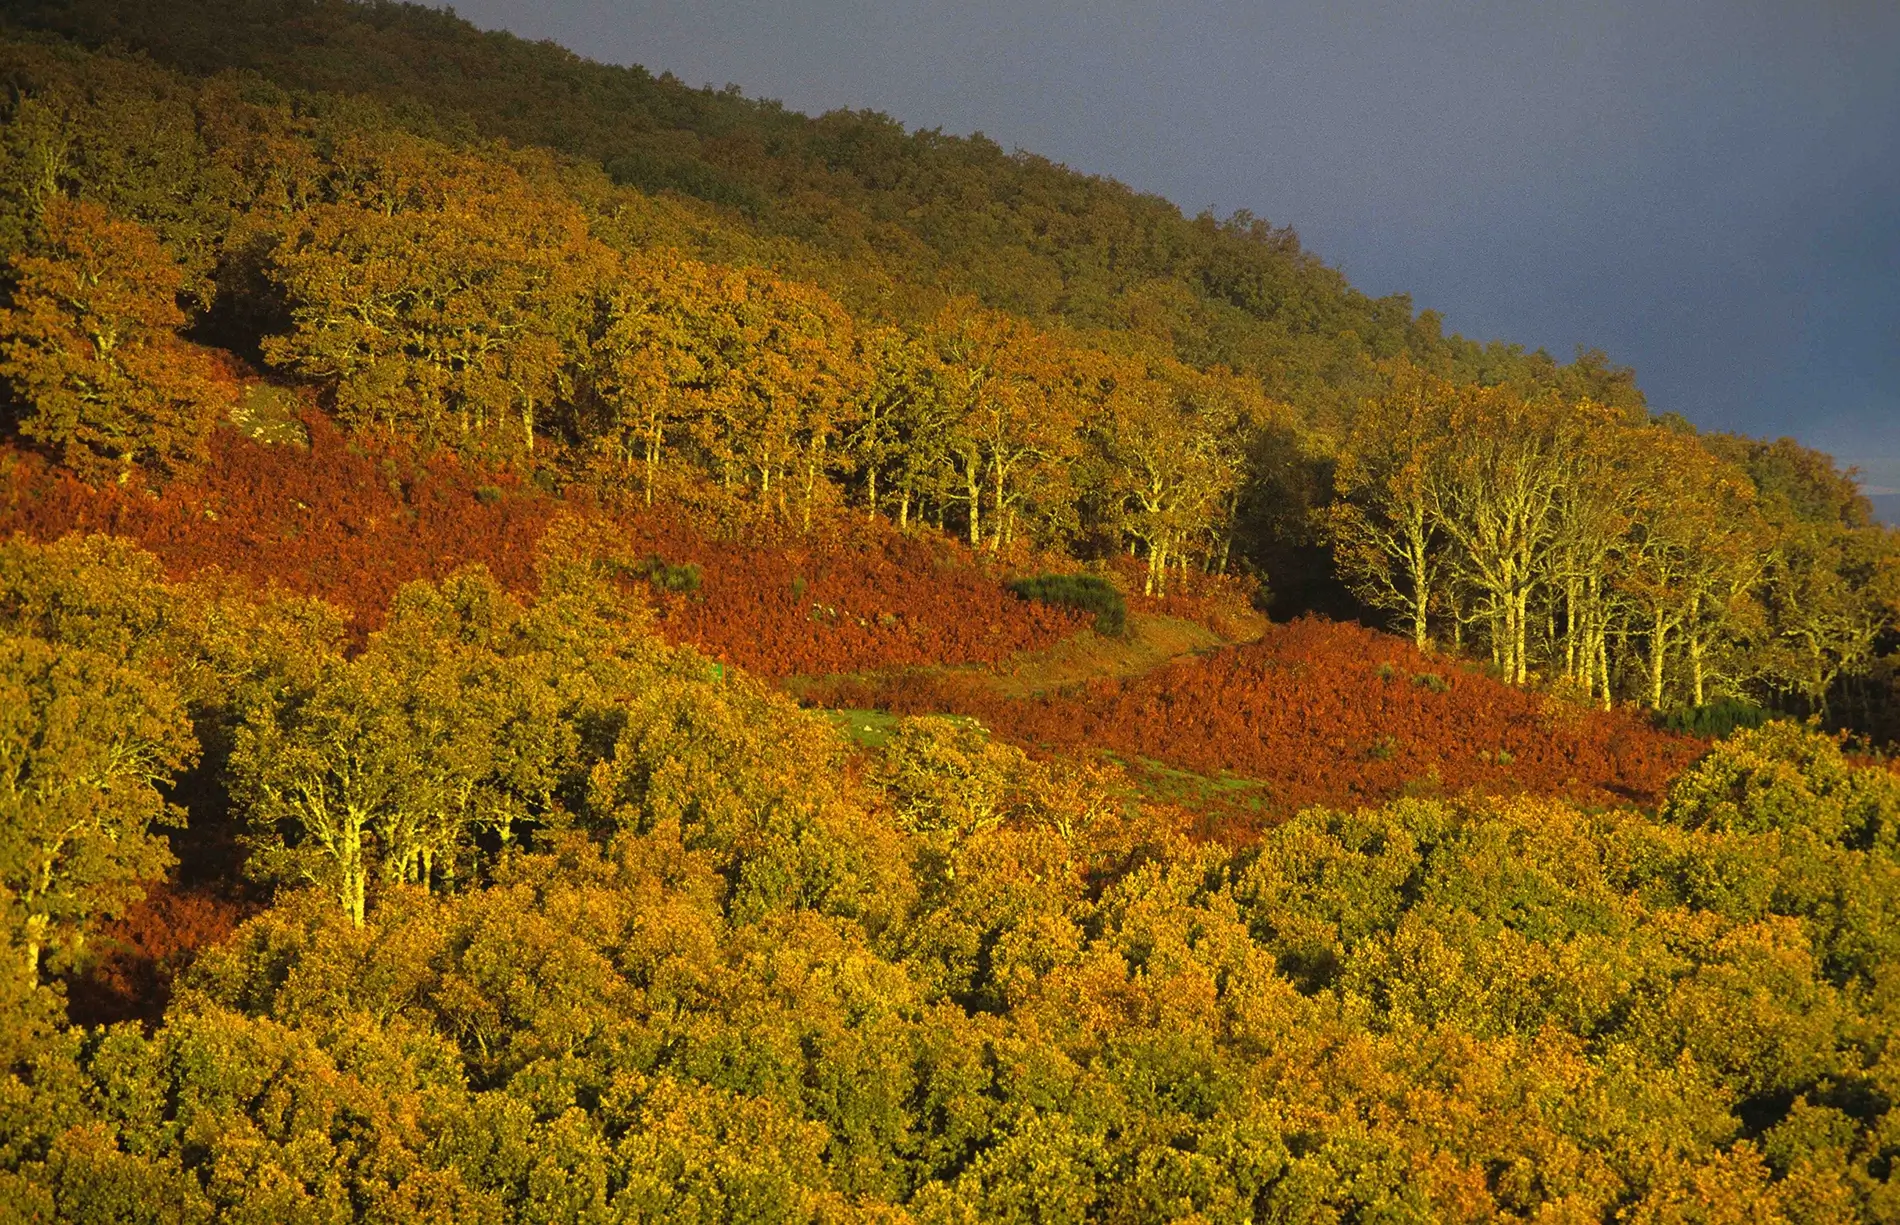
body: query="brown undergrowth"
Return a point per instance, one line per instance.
(349, 521)
(1314, 712)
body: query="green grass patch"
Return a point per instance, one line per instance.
(1166, 784)
(871, 729)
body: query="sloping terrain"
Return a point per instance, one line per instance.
(1320, 713)
(345, 522)
(865, 616)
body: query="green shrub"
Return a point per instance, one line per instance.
(1781, 777)
(1081, 591)
(673, 578)
(663, 575)
(1431, 681)
(487, 495)
(1716, 720)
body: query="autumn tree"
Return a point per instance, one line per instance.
(1387, 539)
(1689, 551)
(1014, 398)
(86, 746)
(1499, 484)
(898, 424)
(1171, 463)
(91, 351)
(784, 377)
(1829, 594)
(441, 294)
(651, 366)
(387, 765)
(1593, 516)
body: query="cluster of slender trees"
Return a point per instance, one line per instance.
(1624, 555)
(444, 299)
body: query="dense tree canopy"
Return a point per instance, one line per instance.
(538, 913)
(90, 348)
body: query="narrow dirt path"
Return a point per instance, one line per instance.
(1153, 639)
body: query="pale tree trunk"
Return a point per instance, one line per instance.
(814, 459)
(973, 485)
(996, 505)
(1419, 563)
(1572, 601)
(1520, 635)
(37, 920)
(653, 457)
(1595, 618)
(35, 942)
(1695, 647)
(352, 868)
(1550, 633)
(1658, 647)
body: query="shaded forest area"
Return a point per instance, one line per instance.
(434, 457)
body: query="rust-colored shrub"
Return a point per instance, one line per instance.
(351, 522)
(338, 519)
(138, 955)
(857, 597)
(1325, 713)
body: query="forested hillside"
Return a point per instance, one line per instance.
(920, 326)
(546, 628)
(892, 223)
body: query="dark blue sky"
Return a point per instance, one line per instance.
(1707, 189)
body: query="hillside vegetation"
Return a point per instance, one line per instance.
(443, 477)
(920, 327)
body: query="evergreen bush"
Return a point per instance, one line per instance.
(1080, 591)
(1718, 719)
